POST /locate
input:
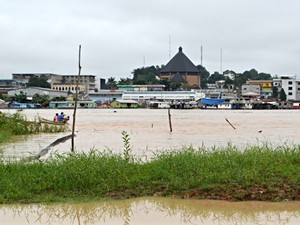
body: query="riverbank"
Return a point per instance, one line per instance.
(254, 173)
(16, 124)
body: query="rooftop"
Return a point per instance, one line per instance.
(180, 63)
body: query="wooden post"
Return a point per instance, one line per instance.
(170, 122)
(229, 123)
(76, 99)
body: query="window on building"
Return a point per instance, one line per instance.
(290, 93)
(290, 82)
(290, 88)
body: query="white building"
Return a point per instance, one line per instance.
(277, 82)
(31, 91)
(144, 96)
(246, 88)
(291, 87)
(86, 83)
(230, 75)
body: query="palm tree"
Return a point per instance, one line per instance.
(124, 81)
(111, 83)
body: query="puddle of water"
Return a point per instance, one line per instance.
(157, 211)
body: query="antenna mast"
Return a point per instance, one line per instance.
(169, 46)
(221, 69)
(144, 60)
(201, 55)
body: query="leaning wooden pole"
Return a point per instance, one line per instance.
(229, 123)
(76, 99)
(170, 122)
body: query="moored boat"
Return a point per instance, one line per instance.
(64, 122)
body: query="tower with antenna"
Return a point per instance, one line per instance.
(201, 60)
(221, 59)
(169, 46)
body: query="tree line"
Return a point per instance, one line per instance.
(150, 75)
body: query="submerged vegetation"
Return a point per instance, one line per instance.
(12, 125)
(256, 173)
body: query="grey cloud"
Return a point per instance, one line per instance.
(119, 36)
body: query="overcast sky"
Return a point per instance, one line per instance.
(118, 36)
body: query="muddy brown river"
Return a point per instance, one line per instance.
(149, 131)
(149, 134)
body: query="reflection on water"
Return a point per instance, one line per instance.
(154, 211)
(149, 129)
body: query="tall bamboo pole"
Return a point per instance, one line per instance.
(76, 99)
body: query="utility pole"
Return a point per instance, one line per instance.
(201, 62)
(169, 46)
(221, 69)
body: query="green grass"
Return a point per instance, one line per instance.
(255, 173)
(13, 125)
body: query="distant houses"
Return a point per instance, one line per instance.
(87, 83)
(18, 105)
(291, 86)
(71, 104)
(263, 87)
(180, 70)
(124, 104)
(31, 91)
(7, 85)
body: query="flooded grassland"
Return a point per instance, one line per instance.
(149, 129)
(149, 134)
